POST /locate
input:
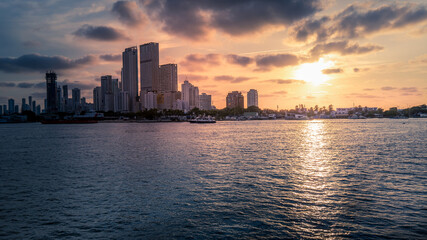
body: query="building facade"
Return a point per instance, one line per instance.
(130, 78)
(51, 103)
(190, 96)
(252, 98)
(149, 67)
(205, 102)
(235, 99)
(169, 77)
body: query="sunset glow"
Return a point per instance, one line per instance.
(312, 72)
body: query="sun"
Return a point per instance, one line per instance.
(312, 72)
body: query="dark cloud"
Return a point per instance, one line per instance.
(40, 63)
(409, 89)
(239, 60)
(360, 20)
(312, 27)
(232, 79)
(266, 62)
(25, 85)
(111, 57)
(128, 13)
(194, 19)
(332, 70)
(342, 48)
(101, 33)
(388, 88)
(7, 84)
(198, 62)
(284, 81)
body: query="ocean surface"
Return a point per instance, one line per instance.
(318, 179)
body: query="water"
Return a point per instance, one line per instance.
(255, 179)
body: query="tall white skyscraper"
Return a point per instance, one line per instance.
(190, 95)
(149, 60)
(130, 78)
(252, 98)
(169, 77)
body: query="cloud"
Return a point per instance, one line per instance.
(231, 79)
(409, 89)
(111, 57)
(368, 89)
(284, 81)
(239, 60)
(359, 20)
(101, 33)
(38, 95)
(128, 13)
(360, 69)
(388, 88)
(40, 63)
(280, 92)
(25, 85)
(266, 62)
(7, 84)
(198, 62)
(359, 95)
(195, 19)
(332, 70)
(342, 48)
(192, 77)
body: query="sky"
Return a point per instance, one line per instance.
(313, 52)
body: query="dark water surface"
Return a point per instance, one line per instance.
(256, 179)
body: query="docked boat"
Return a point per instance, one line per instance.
(203, 120)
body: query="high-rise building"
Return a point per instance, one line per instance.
(235, 99)
(252, 98)
(97, 99)
(11, 108)
(65, 102)
(51, 92)
(205, 102)
(30, 100)
(58, 100)
(130, 78)
(76, 99)
(168, 77)
(107, 93)
(16, 110)
(23, 105)
(190, 95)
(149, 60)
(38, 110)
(33, 106)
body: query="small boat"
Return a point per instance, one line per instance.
(203, 120)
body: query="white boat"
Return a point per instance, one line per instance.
(207, 119)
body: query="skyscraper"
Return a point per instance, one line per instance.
(23, 105)
(58, 100)
(149, 60)
(76, 99)
(51, 92)
(65, 98)
(168, 77)
(235, 99)
(130, 78)
(190, 95)
(252, 98)
(97, 99)
(11, 107)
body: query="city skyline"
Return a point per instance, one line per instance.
(289, 60)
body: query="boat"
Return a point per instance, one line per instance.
(207, 119)
(68, 121)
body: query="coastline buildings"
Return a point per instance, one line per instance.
(235, 99)
(190, 96)
(205, 102)
(51, 92)
(149, 60)
(168, 77)
(252, 98)
(129, 97)
(75, 93)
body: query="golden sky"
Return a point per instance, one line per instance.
(369, 53)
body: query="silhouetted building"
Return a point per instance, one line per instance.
(58, 100)
(65, 102)
(51, 92)
(235, 99)
(97, 99)
(130, 79)
(11, 108)
(252, 98)
(23, 105)
(76, 99)
(149, 60)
